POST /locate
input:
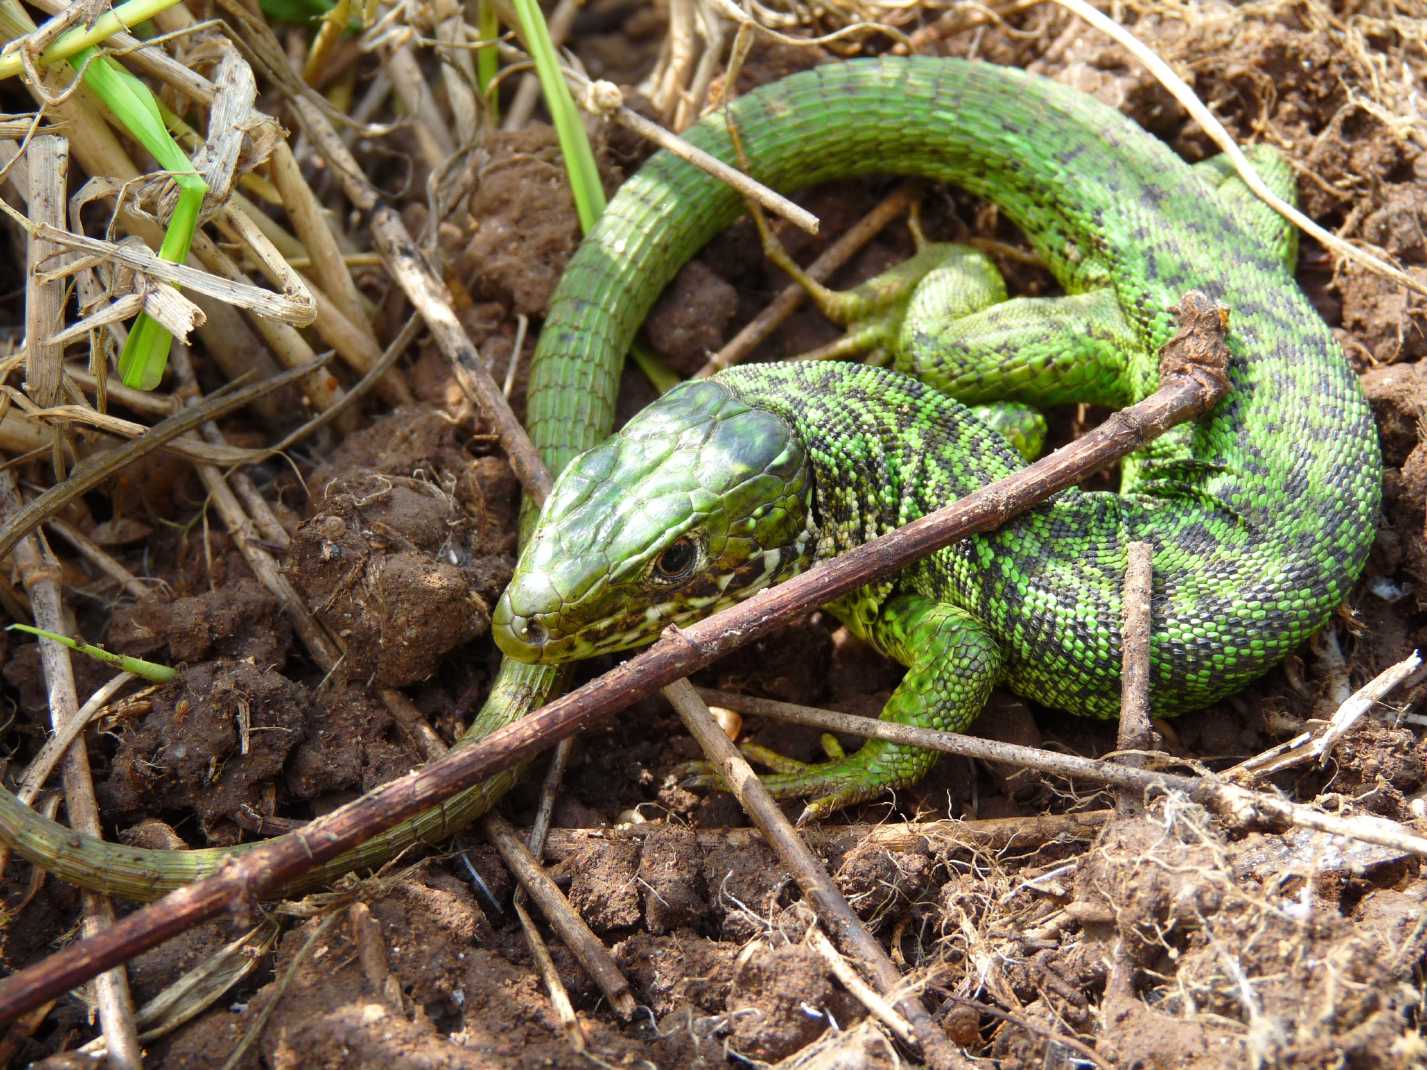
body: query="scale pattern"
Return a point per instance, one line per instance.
(1261, 515)
(1232, 593)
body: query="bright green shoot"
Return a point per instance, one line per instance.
(575, 147)
(131, 103)
(149, 670)
(569, 128)
(296, 11)
(74, 41)
(488, 58)
(145, 355)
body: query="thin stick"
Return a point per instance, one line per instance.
(549, 789)
(604, 98)
(578, 937)
(42, 765)
(820, 270)
(1181, 92)
(249, 540)
(1310, 746)
(545, 966)
(535, 842)
(32, 780)
(39, 572)
(864, 993)
(832, 909)
(1135, 733)
(48, 157)
(1187, 390)
(433, 301)
(985, 834)
(1209, 791)
(315, 230)
(1362, 700)
(409, 330)
(1039, 1030)
(371, 953)
(101, 559)
(250, 526)
(100, 466)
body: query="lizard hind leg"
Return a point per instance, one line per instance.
(957, 279)
(1038, 351)
(952, 664)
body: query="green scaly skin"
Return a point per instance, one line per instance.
(1261, 516)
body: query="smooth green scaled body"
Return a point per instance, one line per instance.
(1261, 515)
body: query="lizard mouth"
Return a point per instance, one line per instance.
(529, 637)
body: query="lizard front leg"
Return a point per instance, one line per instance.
(952, 664)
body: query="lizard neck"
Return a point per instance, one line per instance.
(884, 449)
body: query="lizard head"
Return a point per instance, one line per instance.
(700, 501)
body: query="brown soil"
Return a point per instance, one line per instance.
(1172, 939)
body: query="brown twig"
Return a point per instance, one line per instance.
(985, 834)
(864, 993)
(1186, 391)
(39, 572)
(545, 966)
(249, 540)
(832, 909)
(48, 158)
(100, 466)
(1311, 746)
(376, 374)
(820, 270)
(605, 99)
(433, 301)
(250, 527)
(100, 558)
(371, 954)
(1212, 792)
(1135, 732)
(554, 900)
(1073, 1043)
(573, 931)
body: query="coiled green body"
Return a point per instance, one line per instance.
(1261, 515)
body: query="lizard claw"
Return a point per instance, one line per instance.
(697, 775)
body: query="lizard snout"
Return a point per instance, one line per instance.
(518, 636)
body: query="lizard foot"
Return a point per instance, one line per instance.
(832, 785)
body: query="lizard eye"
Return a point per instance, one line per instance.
(678, 561)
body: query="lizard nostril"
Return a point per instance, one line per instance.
(530, 632)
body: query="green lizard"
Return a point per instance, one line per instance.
(1261, 515)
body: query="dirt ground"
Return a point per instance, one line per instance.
(1172, 939)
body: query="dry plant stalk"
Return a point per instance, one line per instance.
(44, 298)
(40, 575)
(817, 886)
(577, 936)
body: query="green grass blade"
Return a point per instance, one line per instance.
(569, 128)
(73, 42)
(488, 59)
(145, 355)
(299, 12)
(579, 156)
(149, 670)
